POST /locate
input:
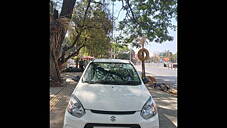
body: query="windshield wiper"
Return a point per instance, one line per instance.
(132, 82)
(111, 82)
(90, 82)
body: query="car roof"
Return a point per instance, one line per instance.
(111, 60)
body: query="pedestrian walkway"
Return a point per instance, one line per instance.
(59, 99)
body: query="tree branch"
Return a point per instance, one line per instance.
(62, 59)
(122, 1)
(66, 48)
(81, 27)
(127, 15)
(98, 3)
(119, 12)
(133, 16)
(86, 11)
(76, 52)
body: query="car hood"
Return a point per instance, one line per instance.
(112, 97)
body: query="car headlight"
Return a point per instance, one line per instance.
(149, 109)
(75, 107)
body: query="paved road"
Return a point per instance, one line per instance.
(163, 74)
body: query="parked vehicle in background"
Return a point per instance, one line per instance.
(174, 65)
(70, 63)
(165, 64)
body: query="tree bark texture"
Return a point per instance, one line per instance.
(57, 35)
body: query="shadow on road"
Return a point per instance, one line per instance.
(166, 117)
(167, 107)
(167, 114)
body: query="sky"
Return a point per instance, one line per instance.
(151, 46)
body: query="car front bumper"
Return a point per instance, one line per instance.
(94, 119)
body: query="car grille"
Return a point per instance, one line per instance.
(91, 125)
(113, 112)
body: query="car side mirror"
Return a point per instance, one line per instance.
(145, 80)
(76, 78)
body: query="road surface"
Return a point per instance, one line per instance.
(161, 73)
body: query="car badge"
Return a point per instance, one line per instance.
(113, 118)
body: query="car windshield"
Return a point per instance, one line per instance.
(111, 74)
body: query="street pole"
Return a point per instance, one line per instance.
(143, 65)
(113, 30)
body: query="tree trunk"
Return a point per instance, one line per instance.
(67, 8)
(55, 79)
(75, 53)
(57, 35)
(143, 69)
(55, 32)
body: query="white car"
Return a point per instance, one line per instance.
(111, 94)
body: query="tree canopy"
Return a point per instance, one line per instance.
(88, 24)
(90, 29)
(147, 18)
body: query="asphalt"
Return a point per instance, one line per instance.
(161, 73)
